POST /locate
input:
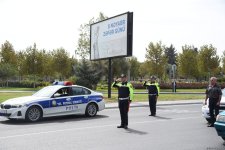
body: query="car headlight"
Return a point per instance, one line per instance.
(220, 118)
(17, 106)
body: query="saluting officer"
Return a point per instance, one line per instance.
(125, 96)
(153, 93)
(213, 93)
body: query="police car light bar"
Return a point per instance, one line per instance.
(66, 83)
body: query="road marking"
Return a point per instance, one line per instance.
(92, 127)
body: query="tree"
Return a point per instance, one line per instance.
(7, 71)
(119, 66)
(21, 63)
(83, 47)
(86, 75)
(31, 60)
(208, 60)
(61, 63)
(144, 69)
(134, 67)
(171, 55)
(7, 54)
(223, 62)
(156, 59)
(187, 62)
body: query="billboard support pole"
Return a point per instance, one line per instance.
(109, 78)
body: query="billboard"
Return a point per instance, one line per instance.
(112, 37)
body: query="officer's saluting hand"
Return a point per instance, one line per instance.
(125, 96)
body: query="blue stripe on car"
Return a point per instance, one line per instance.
(74, 100)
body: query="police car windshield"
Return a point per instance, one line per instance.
(46, 91)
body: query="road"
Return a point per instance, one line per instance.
(178, 127)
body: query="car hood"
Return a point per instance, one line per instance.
(23, 100)
(222, 102)
(222, 113)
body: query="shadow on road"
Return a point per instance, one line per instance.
(160, 117)
(61, 119)
(133, 131)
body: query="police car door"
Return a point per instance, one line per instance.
(61, 99)
(80, 99)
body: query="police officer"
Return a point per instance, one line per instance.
(153, 93)
(125, 96)
(213, 93)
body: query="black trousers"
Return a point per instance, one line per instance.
(124, 107)
(152, 104)
(213, 107)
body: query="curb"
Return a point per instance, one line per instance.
(146, 105)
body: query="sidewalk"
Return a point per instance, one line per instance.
(159, 103)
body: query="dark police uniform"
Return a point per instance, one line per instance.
(125, 96)
(213, 93)
(153, 93)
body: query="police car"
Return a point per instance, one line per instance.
(205, 108)
(62, 98)
(220, 125)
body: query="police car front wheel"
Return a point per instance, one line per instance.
(33, 114)
(91, 110)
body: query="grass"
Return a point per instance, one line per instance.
(161, 90)
(162, 97)
(137, 97)
(17, 89)
(6, 95)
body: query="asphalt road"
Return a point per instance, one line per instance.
(175, 128)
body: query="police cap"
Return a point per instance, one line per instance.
(123, 76)
(152, 77)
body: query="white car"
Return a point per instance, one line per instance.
(205, 108)
(55, 100)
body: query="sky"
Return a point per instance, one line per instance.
(52, 24)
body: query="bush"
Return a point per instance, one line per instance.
(180, 85)
(23, 84)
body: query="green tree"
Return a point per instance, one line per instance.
(30, 64)
(119, 66)
(223, 62)
(208, 60)
(86, 75)
(83, 47)
(31, 60)
(7, 71)
(7, 53)
(156, 58)
(21, 64)
(61, 63)
(134, 67)
(171, 55)
(144, 69)
(45, 64)
(187, 62)
(45, 59)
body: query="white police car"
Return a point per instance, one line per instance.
(56, 100)
(205, 108)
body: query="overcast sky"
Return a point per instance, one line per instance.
(53, 24)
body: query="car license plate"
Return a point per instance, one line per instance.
(3, 112)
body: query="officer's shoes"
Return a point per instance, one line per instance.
(120, 126)
(210, 125)
(125, 127)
